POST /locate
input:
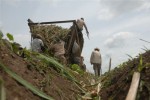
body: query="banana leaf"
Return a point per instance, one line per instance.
(58, 65)
(25, 83)
(61, 67)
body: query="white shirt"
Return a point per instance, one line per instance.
(36, 45)
(96, 57)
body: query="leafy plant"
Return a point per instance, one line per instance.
(10, 37)
(57, 65)
(14, 45)
(27, 53)
(76, 68)
(64, 71)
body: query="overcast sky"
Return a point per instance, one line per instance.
(115, 26)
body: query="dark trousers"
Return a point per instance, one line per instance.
(97, 68)
(81, 40)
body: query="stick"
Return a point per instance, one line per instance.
(133, 87)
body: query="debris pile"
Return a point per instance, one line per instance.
(49, 33)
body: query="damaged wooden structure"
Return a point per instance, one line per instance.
(49, 31)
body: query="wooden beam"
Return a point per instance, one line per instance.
(71, 40)
(66, 21)
(109, 65)
(133, 87)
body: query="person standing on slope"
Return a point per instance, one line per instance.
(96, 61)
(80, 25)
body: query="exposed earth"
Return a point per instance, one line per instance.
(55, 83)
(46, 77)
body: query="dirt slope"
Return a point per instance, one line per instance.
(117, 83)
(42, 76)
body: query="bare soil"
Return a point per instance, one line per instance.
(115, 83)
(50, 82)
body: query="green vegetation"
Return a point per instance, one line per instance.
(77, 68)
(58, 65)
(1, 34)
(10, 37)
(2, 90)
(140, 66)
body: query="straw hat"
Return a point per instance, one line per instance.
(96, 49)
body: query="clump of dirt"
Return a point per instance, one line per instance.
(117, 83)
(43, 76)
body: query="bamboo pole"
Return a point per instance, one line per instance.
(109, 65)
(133, 87)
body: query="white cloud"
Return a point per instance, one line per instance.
(146, 5)
(118, 39)
(111, 9)
(105, 14)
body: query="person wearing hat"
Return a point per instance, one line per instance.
(96, 61)
(37, 43)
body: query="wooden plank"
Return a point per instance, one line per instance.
(133, 87)
(71, 41)
(109, 65)
(53, 22)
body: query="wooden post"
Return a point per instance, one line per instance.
(133, 87)
(71, 40)
(109, 65)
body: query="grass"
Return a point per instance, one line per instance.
(2, 90)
